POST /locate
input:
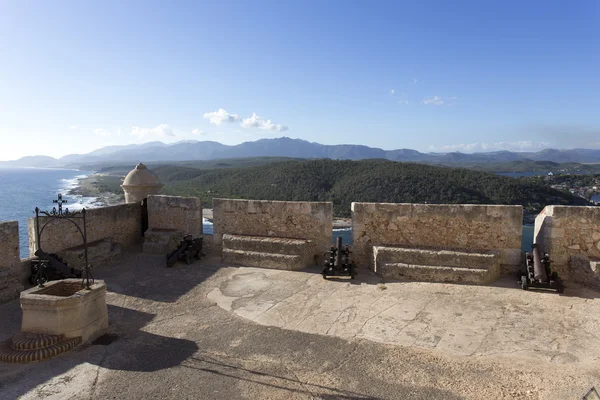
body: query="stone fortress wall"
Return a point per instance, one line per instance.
(10, 262)
(438, 226)
(285, 219)
(170, 218)
(175, 213)
(571, 236)
(121, 224)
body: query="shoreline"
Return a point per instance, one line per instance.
(96, 185)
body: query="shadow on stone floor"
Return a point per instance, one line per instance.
(131, 349)
(227, 370)
(146, 276)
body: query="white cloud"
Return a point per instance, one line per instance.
(199, 132)
(220, 116)
(256, 121)
(102, 132)
(414, 81)
(393, 91)
(403, 102)
(160, 130)
(72, 127)
(522, 145)
(439, 101)
(435, 100)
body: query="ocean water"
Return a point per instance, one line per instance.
(24, 189)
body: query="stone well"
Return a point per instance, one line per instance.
(64, 308)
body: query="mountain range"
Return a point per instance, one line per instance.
(287, 147)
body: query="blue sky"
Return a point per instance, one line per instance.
(429, 75)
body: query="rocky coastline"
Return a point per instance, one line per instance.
(104, 188)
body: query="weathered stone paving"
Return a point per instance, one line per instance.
(498, 320)
(169, 339)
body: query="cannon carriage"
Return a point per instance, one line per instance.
(189, 249)
(538, 273)
(338, 262)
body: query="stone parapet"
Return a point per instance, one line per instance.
(565, 232)
(122, 224)
(175, 213)
(285, 219)
(438, 226)
(10, 263)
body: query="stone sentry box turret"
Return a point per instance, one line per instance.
(139, 183)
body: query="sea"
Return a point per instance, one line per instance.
(24, 189)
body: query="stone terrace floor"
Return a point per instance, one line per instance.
(208, 331)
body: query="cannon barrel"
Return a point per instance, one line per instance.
(338, 254)
(174, 256)
(539, 269)
(53, 261)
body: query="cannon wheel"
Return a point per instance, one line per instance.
(523, 282)
(188, 257)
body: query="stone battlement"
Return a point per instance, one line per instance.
(569, 234)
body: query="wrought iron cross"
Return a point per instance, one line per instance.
(60, 202)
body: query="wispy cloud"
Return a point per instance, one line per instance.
(435, 100)
(102, 132)
(160, 130)
(440, 101)
(415, 81)
(220, 116)
(256, 121)
(72, 127)
(522, 145)
(199, 132)
(392, 91)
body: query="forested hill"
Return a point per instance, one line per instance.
(369, 180)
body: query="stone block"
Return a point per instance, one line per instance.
(585, 271)
(283, 219)
(161, 241)
(267, 252)
(479, 228)
(121, 224)
(566, 233)
(432, 265)
(101, 252)
(175, 213)
(10, 262)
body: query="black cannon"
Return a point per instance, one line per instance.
(50, 267)
(188, 250)
(337, 261)
(539, 273)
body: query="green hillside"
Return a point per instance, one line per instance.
(370, 180)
